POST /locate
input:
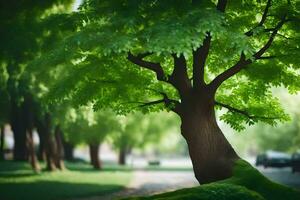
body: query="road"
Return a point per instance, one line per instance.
(283, 176)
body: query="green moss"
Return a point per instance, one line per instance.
(216, 191)
(251, 178)
(247, 183)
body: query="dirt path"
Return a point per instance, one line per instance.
(152, 182)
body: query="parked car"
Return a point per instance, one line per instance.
(260, 159)
(295, 162)
(273, 159)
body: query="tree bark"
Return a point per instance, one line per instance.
(50, 154)
(32, 157)
(2, 137)
(94, 154)
(59, 162)
(122, 156)
(68, 151)
(50, 144)
(42, 144)
(211, 154)
(20, 152)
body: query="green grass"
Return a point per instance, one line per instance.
(18, 181)
(247, 183)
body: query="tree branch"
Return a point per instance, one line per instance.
(242, 112)
(169, 103)
(199, 59)
(243, 62)
(285, 37)
(221, 5)
(267, 57)
(152, 103)
(263, 19)
(271, 38)
(229, 72)
(155, 67)
(179, 77)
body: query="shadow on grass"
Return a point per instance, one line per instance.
(129, 169)
(17, 175)
(13, 165)
(18, 181)
(82, 166)
(53, 190)
(88, 168)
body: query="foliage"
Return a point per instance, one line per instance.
(83, 125)
(23, 36)
(139, 130)
(94, 67)
(279, 138)
(261, 137)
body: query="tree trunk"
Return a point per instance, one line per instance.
(211, 154)
(19, 132)
(42, 145)
(50, 144)
(122, 156)
(69, 151)
(94, 154)
(59, 162)
(2, 137)
(28, 118)
(50, 154)
(32, 157)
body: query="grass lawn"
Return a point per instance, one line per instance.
(18, 181)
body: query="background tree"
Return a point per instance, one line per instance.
(195, 55)
(149, 129)
(261, 137)
(91, 128)
(22, 34)
(4, 105)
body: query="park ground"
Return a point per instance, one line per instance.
(18, 181)
(81, 182)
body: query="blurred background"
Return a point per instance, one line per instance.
(144, 153)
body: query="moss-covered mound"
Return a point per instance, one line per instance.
(247, 183)
(216, 191)
(249, 177)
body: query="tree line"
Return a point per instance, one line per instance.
(27, 31)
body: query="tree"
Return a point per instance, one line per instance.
(149, 129)
(91, 128)
(195, 55)
(22, 35)
(4, 105)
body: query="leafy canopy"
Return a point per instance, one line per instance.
(83, 125)
(149, 130)
(241, 48)
(23, 36)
